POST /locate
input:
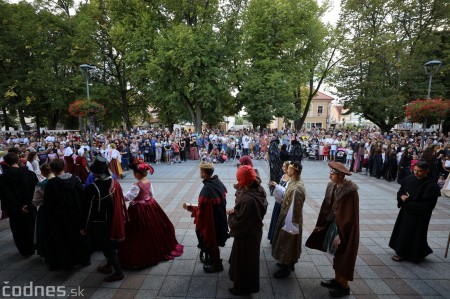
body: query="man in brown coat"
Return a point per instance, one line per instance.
(337, 229)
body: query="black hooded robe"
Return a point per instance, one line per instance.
(409, 237)
(17, 189)
(62, 221)
(275, 163)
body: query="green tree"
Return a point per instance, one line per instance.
(187, 66)
(282, 41)
(383, 45)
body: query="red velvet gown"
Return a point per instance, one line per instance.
(149, 235)
(79, 169)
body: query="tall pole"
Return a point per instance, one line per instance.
(431, 67)
(86, 68)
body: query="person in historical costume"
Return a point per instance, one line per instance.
(17, 186)
(376, 160)
(296, 152)
(358, 154)
(287, 236)
(337, 229)
(68, 159)
(416, 198)
(429, 156)
(80, 169)
(246, 222)
(103, 218)
(275, 163)
(62, 219)
(114, 159)
(150, 236)
(280, 189)
(210, 218)
(390, 164)
(404, 166)
(38, 200)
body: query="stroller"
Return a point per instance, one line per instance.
(313, 153)
(341, 154)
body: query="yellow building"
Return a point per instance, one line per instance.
(318, 115)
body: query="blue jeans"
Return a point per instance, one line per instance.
(125, 163)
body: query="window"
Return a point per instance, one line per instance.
(318, 125)
(319, 110)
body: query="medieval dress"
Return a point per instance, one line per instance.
(275, 163)
(150, 236)
(276, 208)
(409, 237)
(340, 208)
(246, 227)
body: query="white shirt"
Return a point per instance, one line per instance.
(68, 151)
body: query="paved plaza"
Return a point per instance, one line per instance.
(377, 276)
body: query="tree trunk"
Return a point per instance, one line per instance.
(126, 114)
(5, 119)
(198, 119)
(52, 121)
(23, 124)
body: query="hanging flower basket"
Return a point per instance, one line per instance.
(433, 111)
(87, 108)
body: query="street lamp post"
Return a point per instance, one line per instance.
(431, 67)
(86, 69)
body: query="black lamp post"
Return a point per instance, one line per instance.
(431, 68)
(86, 69)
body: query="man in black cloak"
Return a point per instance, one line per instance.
(17, 188)
(416, 199)
(296, 152)
(275, 163)
(62, 220)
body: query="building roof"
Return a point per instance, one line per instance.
(322, 96)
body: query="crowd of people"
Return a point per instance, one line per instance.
(64, 198)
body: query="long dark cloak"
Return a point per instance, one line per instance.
(246, 228)
(17, 188)
(62, 222)
(409, 237)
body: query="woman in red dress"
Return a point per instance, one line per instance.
(149, 235)
(80, 169)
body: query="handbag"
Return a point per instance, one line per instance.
(289, 227)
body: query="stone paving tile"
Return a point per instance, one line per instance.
(400, 287)
(421, 287)
(379, 287)
(176, 286)
(202, 286)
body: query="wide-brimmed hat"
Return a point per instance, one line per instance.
(339, 168)
(100, 166)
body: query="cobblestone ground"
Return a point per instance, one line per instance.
(377, 276)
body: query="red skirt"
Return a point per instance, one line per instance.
(193, 155)
(149, 237)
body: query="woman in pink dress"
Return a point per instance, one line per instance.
(149, 235)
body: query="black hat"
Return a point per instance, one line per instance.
(100, 166)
